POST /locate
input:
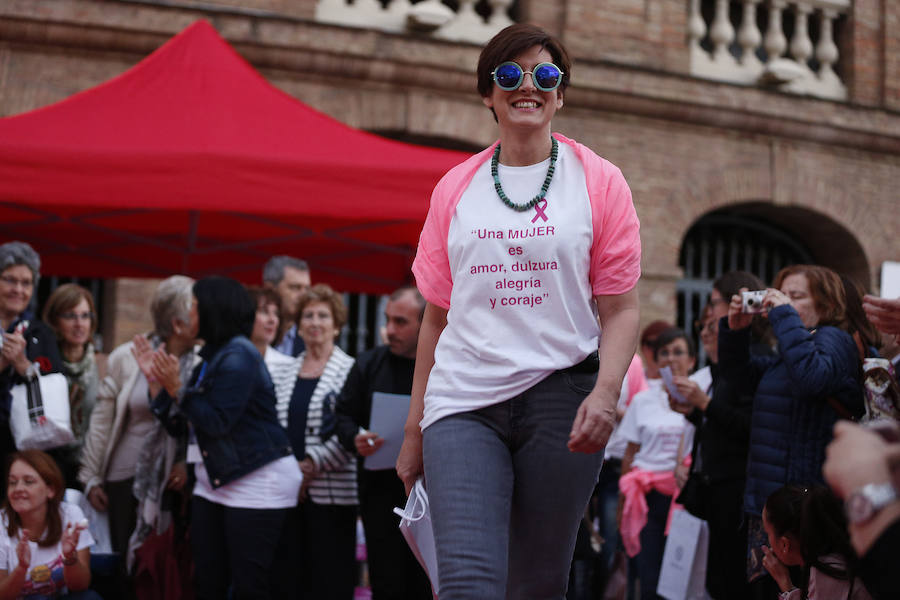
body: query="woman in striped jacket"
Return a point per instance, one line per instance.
(326, 516)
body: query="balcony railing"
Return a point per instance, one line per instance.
(433, 17)
(788, 45)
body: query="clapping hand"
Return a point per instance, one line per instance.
(13, 352)
(23, 550)
(165, 370)
(143, 354)
(70, 539)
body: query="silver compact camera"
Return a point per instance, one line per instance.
(752, 301)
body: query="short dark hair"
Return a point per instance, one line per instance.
(651, 332)
(417, 296)
(224, 310)
(670, 335)
(260, 294)
(513, 41)
(273, 270)
(729, 284)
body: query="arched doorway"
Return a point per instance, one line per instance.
(762, 239)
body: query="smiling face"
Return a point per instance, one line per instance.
(26, 489)
(676, 356)
(526, 107)
(796, 287)
(74, 325)
(265, 326)
(16, 287)
(317, 324)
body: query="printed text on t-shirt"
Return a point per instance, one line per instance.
(519, 275)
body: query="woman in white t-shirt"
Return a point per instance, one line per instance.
(525, 245)
(44, 542)
(658, 439)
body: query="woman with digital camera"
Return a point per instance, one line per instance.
(800, 393)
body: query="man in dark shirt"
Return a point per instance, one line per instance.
(393, 570)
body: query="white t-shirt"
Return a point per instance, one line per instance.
(525, 276)
(45, 577)
(275, 485)
(657, 428)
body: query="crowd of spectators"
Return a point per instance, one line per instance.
(240, 420)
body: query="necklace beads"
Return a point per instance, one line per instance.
(495, 161)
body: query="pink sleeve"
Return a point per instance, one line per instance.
(616, 251)
(432, 264)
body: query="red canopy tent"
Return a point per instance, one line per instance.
(190, 162)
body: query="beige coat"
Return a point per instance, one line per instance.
(109, 416)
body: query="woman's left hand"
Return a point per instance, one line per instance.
(13, 352)
(682, 472)
(777, 570)
(177, 477)
(308, 468)
(775, 298)
(594, 422)
(70, 539)
(165, 370)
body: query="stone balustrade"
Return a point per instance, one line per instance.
(431, 17)
(754, 48)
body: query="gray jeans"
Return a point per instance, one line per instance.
(507, 495)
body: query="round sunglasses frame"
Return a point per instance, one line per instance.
(523, 72)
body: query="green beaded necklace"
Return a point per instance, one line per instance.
(495, 160)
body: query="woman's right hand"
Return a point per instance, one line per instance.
(143, 354)
(166, 371)
(777, 570)
(98, 499)
(410, 464)
(23, 550)
(737, 318)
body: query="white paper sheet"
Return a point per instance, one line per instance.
(666, 374)
(389, 413)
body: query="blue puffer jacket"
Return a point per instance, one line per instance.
(792, 419)
(231, 405)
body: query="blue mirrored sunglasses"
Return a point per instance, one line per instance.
(509, 76)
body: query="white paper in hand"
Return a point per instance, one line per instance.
(389, 413)
(415, 525)
(666, 374)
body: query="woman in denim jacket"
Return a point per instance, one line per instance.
(247, 477)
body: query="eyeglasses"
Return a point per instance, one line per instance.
(71, 316)
(677, 352)
(711, 326)
(509, 76)
(13, 282)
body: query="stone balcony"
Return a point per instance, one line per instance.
(786, 45)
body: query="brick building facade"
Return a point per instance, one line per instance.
(823, 171)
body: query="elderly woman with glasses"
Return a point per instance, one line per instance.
(524, 246)
(25, 340)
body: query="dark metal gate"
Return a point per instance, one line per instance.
(719, 243)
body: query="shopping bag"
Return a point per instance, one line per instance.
(98, 522)
(415, 525)
(39, 411)
(683, 573)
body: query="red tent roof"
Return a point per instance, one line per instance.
(190, 162)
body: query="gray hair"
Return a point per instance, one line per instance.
(273, 272)
(20, 253)
(171, 300)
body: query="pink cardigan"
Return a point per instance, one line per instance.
(615, 265)
(634, 485)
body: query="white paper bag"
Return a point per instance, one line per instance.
(683, 573)
(98, 522)
(415, 525)
(39, 412)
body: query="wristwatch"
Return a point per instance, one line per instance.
(865, 502)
